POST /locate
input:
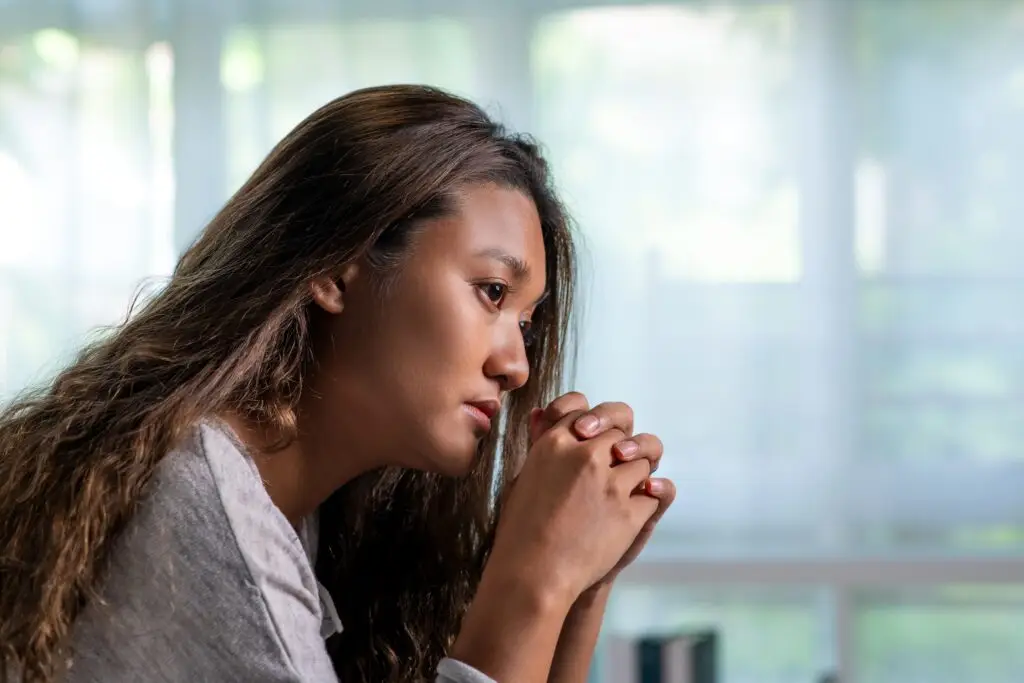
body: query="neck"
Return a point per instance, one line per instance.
(303, 474)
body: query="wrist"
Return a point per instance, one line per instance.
(598, 592)
(545, 597)
(594, 598)
(512, 626)
(573, 658)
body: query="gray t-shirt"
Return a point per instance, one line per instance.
(211, 583)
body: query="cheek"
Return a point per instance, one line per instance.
(437, 339)
(454, 334)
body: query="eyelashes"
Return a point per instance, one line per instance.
(495, 293)
(529, 336)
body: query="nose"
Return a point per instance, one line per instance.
(507, 362)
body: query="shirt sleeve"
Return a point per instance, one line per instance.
(454, 671)
(203, 585)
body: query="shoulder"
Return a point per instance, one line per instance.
(207, 582)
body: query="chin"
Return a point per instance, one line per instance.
(455, 459)
(448, 447)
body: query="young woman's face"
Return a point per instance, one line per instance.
(418, 377)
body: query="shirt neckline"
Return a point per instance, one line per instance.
(307, 535)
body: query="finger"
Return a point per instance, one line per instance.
(646, 509)
(630, 477)
(602, 444)
(640, 446)
(599, 447)
(564, 422)
(563, 405)
(603, 417)
(562, 431)
(665, 493)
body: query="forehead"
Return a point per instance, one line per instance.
(489, 219)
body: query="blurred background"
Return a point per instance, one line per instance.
(803, 228)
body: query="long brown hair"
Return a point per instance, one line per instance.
(402, 551)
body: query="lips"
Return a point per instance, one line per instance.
(489, 408)
(483, 413)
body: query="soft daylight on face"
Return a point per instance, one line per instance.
(428, 367)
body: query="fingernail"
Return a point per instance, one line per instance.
(655, 486)
(626, 449)
(587, 424)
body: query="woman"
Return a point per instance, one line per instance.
(296, 439)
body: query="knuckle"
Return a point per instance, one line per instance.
(621, 415)
(600, 450)
(611, 489)
(623, 489)
(567, 403)
(561, 439)
(555, 441)
(592, 450)
(589, 471)
(575, 397)
(652, 445)
(622, 412)
(626, 477)
(590, 460)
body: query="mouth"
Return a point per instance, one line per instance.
(483, 412)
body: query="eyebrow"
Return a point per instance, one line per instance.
(520, 269)
(518, 266)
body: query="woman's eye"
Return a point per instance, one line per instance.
(495, 292)
(526, 327)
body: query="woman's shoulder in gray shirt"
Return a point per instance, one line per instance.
(209, 582)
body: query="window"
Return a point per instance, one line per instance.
(85, 191)
(802, 236)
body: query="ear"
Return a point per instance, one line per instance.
(328, 290)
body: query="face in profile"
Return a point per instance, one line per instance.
(421, 368)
